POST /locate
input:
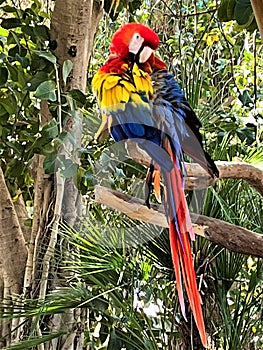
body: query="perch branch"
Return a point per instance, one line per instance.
(232, 237)
(197, 177)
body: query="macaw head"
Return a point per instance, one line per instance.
(134, 41)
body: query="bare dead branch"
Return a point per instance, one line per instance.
(232, 237)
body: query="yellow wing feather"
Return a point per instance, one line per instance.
(114, 91)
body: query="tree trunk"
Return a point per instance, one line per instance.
(13, 254)
(258, 12)
(73, 27)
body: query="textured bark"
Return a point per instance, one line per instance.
(43, 186)
(13, 255)
(234, 238)
(13, 252)
(73, 26)
(258, 12)
(22, 215)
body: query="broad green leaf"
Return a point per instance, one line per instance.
(28, 30)
(41, 32)
(222, 14)
(36, 80)
(15, 166)
(12, 38)
(10, 104)
(243, 12)
(10, 23)
(13, 51)
(46, 91)
(69, 169)
(245, 98)
(47, 55)
(50, 130)
(25, 62)
(78, 97)
(51, 163)
(13, 72)
(3, 75)
(9, 8)
(231, 9)
(66, 69)
(226, 10)
(3, 32)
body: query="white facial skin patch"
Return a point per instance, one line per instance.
(135, 43)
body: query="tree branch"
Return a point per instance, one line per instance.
(232, 237)
(197, 177)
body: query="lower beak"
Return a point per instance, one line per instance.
(145, 54)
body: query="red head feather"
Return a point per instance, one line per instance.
(121, 39)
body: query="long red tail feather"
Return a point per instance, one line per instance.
(180, 233)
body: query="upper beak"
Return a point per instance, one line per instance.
(145, 54)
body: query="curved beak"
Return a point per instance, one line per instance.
(145, 54)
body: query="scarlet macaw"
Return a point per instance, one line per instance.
(140, 100)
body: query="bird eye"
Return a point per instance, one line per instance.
(137, 36)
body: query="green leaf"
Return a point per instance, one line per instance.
(3, 75)
(55, 161)
(13, 72)
(9, 8)
(67, 68)
(114, 343)
(226, 10)
(15, 166)
(10, 104)
(120, 173)
(28, 30)
(28, 222)
(32, 342)
(243, 12)
(12, 38)
(245, 98)
(13, 51)
(46, 91)
(23, 60)
(36, 80)
(3, 33)
(9, 23)
(78, 97)
(51, 163)
(69, 169)
(42, 32)
(50, 130)
(47, 55)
